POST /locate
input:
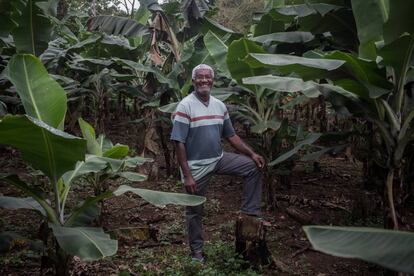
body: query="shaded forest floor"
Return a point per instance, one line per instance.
(330, 196)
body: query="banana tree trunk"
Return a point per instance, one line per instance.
(62, 263)
(165, 149)
(391, 191)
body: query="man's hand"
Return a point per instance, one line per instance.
(239, 145)
(190, 185)
(259, 160)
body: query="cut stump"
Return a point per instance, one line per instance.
(251, 240)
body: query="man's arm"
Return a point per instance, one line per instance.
(189, 182)
(237, 143)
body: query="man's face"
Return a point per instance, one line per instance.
(203, 81)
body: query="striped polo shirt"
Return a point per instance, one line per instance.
(201, 128)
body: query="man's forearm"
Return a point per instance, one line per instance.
(182, 158)
(237, 143)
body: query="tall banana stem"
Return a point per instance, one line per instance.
(390, 178)
(57, 200)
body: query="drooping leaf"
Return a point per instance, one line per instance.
(87, 243)
(284, 37)
(48, 149)
(33, 193)
(21, 203)
(42, 97)
(115, 25)
(34, 29)
(162, 198)
(194, 10)
(391, 249)
(161, 23)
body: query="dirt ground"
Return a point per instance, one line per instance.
(328, 197)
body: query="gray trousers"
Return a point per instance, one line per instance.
(229, 164)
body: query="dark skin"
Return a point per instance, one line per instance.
(203, 82)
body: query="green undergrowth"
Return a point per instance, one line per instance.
(220, 260)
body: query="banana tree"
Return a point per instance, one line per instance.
(39, 137)
(378, 90)
(104, 161)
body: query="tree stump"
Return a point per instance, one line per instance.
(251, 240)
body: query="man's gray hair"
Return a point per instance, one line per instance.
(201, 67)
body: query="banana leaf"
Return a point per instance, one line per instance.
(310, 139)
(114, 25)
(8, 202)
(42, 97)
(161, 199)
(284, 37)
(34, 29)
(87, 243)
(48, 149)
(391, 249)
(218, 51)
(238, 68)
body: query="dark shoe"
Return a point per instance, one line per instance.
(198, 256)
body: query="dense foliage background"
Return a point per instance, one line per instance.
(302, 79)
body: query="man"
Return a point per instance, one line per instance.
(200, 121)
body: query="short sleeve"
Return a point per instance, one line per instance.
(181, 124)
(228, 129)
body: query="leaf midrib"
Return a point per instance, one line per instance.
(29, 89)
(49, 150)
(92, 241)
